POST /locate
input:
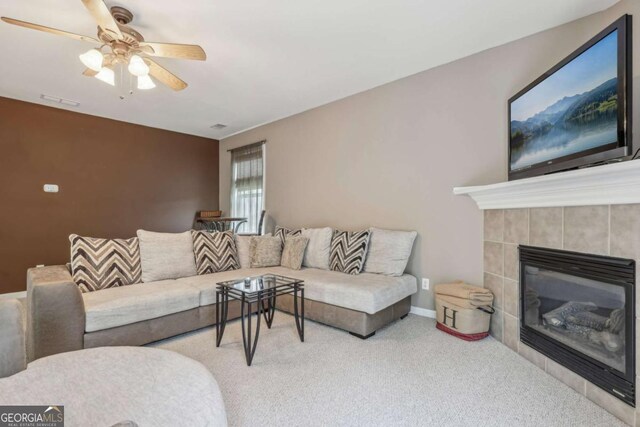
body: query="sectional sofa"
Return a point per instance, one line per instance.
(61, 317)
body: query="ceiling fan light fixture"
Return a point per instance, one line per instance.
(117, 45)
(145, 82)
(137, 66)
(92, 59)
(106, 75)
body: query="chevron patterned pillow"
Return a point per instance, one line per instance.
(104, 263)
(348, 251)
(283, 233)
(215, 251)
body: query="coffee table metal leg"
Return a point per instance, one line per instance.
(222, 309)
(299, 319)
(270, 310)
(248, 343)
(218, 318)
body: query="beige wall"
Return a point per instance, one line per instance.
(389, 157)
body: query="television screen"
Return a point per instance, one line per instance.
(574, 109)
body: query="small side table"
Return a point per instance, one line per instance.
(221, 223)
(257, 293)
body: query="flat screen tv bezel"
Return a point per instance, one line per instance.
(620, 149)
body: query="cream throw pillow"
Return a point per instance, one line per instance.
(166, 255)
(389, 251)
(293, 252)
(243, 245)
(317, 253)
(265, 251)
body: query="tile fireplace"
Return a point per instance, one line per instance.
(591, 211)
(578, 310)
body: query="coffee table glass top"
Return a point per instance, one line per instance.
(255, 284)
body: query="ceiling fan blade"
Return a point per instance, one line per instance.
(89, 72)
(103, 17)
(49, 30)
(173, 50)
(164, 76)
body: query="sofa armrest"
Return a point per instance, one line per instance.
(12, 347)
(56, 316)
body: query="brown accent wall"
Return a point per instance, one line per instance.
(114, 178)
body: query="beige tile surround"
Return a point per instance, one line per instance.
(608, 230)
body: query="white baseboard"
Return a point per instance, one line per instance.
(22, 294)
(424, 312)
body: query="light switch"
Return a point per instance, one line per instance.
(51, 188)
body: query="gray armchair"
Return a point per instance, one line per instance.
(153, 386)
(13, 356)
(56, 314)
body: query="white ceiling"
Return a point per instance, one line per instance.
(266, 59)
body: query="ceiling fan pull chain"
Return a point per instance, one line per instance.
(130, 84)
(122, 91)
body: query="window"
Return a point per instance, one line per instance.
(247, 185)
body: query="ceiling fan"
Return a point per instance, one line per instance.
(125, 47)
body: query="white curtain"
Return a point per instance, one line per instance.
(247, 185)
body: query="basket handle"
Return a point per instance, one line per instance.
(489, 310)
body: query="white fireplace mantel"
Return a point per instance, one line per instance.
(613, 184)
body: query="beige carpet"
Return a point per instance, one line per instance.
(407, 374)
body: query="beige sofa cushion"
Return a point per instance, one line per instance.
(317, 253)
(389, 251)
(166, 255)
(119, 306)
(207, 284)
(123, 305)
(244, 254)
(365, 292)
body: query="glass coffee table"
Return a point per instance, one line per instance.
(257, 294)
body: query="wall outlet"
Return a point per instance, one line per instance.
(51, 188)
(425, 283)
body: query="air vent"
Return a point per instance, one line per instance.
(57, 100)
(218, 126)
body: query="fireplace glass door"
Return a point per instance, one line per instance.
(584, 314)
(578, 309)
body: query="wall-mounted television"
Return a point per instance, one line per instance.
(579, 112)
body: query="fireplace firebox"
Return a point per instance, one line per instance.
(579, 309)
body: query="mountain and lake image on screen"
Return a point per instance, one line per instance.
(573, 110)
